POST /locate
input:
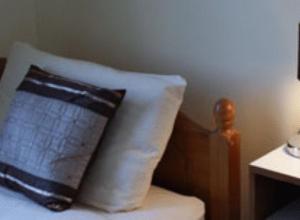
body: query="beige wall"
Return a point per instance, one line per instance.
(17, 23)
(245, 50)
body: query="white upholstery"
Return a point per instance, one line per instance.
(160, 204)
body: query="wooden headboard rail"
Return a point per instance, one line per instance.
(203, 163)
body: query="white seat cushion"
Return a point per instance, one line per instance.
(160, 204)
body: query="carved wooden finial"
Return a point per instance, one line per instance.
(224, 114)
(226, 157)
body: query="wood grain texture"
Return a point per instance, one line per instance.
(225, 163)
(203, 163)
(184, 167)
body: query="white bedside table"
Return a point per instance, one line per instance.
(275, 181)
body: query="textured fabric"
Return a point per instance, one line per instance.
(159, 204)
(289, 212)
(138, 134)
(46, 143)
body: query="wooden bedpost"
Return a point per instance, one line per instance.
(225, 164)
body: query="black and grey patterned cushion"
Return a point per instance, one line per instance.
(51, 132)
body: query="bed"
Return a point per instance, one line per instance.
(200, 165)
(159, 204)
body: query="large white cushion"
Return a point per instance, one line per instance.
(136, 139)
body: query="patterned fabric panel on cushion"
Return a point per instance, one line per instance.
(51, 132)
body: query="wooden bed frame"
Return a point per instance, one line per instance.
(203, 163)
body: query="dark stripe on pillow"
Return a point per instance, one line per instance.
(54, 195)
(47, 201)
(83, 101)
(37, 182)
(113, 96)
(101, 101)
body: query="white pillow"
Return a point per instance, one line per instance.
(121, 174)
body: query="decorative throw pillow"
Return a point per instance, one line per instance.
(51, 132)
(121, 174)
